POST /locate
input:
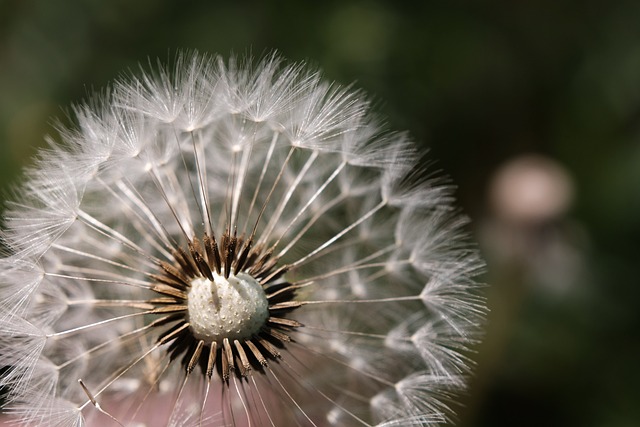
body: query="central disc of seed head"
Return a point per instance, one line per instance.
(235, 307)
(226, 305)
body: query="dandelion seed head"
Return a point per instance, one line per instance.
(229, 242)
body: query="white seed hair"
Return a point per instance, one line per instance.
(370, 317)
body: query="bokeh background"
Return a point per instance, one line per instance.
(531, 107)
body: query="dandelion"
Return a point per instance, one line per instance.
(228, 243)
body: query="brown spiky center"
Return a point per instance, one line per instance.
(224, 305)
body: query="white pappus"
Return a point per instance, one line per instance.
(233, 243)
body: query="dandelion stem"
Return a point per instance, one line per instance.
(96, 404)
(302, 210)
(337, 236)
(265, 168)
(363, 301)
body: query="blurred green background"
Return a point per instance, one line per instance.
(480, 83)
